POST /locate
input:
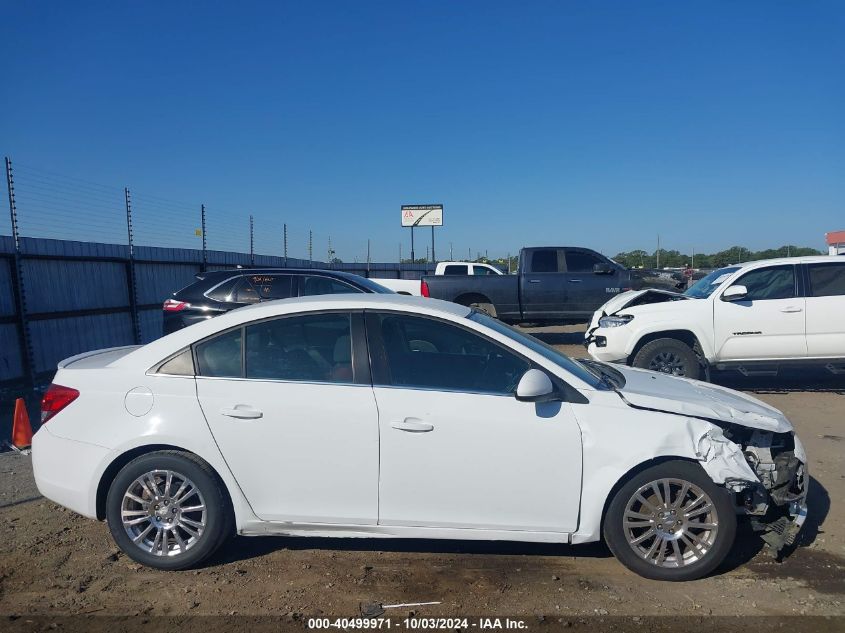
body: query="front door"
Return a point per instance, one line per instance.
(457, 449)
(769, 323)
(587, 291)
(543, 287)
(296, 425)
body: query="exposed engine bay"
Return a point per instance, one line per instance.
(776, 504)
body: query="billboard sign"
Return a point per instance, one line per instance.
(422, 215)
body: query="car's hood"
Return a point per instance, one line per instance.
(639, 297)
(661, 392)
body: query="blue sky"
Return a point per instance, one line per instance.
(591, 123)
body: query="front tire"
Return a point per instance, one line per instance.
(168, 510)
(669, 356)
(671, 522)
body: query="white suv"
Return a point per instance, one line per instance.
(753, 317)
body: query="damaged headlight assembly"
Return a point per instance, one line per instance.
(615, 321)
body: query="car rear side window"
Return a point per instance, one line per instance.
(324, 286)
(774, 282)
(581, 262)
(482, 270)
(455, 269)
(431, 354)
(827, 280)
(312, 348)
(182, 364)
(545, 261)
(225, 291)
(220, 357)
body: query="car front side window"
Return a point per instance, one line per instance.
(324, 286)
(430, 354)
(774, 282)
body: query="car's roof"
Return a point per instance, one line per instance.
(157, 350)
(234, 272)
(808, 259)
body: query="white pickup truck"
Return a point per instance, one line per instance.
(753, 317)
(412, 286)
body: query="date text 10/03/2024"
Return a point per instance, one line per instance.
(414, 623)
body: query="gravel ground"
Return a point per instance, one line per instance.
(57, 563)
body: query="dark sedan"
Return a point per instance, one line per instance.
(219, 291)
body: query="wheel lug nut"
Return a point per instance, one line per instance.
(659, 526)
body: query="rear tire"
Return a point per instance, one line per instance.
(669, 356)
(168, 510)
(682, 535)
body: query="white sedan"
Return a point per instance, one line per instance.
(389, 416)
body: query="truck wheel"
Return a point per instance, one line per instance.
(486, 308)
(669, 356)
(670, 522)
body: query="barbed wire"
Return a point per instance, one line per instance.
(58, 206)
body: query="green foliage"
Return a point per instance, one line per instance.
(732, 255)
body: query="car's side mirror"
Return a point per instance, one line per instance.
(735, 293)
(603, 269)
(535, 386)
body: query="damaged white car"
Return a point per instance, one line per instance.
(390, 416)
(754, 317)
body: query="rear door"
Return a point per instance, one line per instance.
(543, 284)
(826, 309)
(310, 285)
(768, 324)
(290, 405)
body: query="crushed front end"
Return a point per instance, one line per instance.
(777, 503)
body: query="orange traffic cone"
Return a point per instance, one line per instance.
(21, 429)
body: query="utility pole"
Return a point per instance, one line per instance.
(330, 255)
(509, 263)
(368, 258)
(426, 253)
(658, 251)
(450, 250)
(469, 254)
(413, 261)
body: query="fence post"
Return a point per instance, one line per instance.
(368, 258)
(251, 243)
(130, 270)
(310, 249)
(204, 243)
(285, 241)
(25, 340)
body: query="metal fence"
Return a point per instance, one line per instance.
(86, 266)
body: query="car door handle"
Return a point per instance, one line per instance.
(533, 281)
(575, 281)
(242, 412)
(413, 425)
(788, 309)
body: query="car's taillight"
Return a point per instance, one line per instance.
(424, 289)
(172, 305)
(55, 399)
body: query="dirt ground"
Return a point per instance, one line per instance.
(54, 562)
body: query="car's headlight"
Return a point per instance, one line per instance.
(615, 321)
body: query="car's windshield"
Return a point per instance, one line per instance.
(705, 286)
(546, 351)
